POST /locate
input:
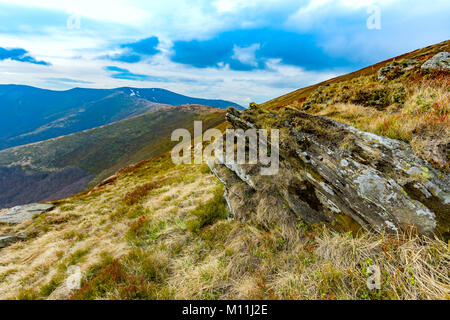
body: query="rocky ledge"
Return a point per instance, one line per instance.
(19, 214)
(335, 174)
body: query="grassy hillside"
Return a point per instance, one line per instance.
(409, 104)
(159, 231)
(96, 153)
(300, 95)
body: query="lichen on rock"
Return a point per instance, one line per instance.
(440, 62)
(378, 184)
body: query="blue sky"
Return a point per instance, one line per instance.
(247, 50)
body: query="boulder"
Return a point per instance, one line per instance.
(19, 214)
(333, 173)
(382, 73)
(440, 62)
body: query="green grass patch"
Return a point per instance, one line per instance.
(138, 276)
(209, 212)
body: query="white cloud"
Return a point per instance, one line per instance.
(238, 86)
(314, 13)
(226, 5)
(246, 55)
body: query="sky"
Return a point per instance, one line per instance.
(243, 51)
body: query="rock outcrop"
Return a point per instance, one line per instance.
(394, 69)
(440, 62)
(19, 214)
(333, 173)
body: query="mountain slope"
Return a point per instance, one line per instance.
(298, 97)
(395, 98)
(29, 114)
(160, 231)
(63, 166)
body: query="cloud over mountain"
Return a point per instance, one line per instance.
(21, 55)
(277, 44)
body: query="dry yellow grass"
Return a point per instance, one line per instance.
(87, 226)
(421, 118)
(253, 264)
(146, 251)
(299, 96)
(410, 105)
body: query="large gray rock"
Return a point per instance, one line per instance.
(8, 240)
(21, 213)
(440, 62)
(333, 173)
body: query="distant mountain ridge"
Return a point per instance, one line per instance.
(29, 114)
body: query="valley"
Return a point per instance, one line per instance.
(29, 114)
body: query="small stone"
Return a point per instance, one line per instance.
(384, 71)
(21, 213)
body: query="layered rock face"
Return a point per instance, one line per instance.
(333, 173)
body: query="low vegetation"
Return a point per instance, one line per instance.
(140, 192)
(161, 231)
(409, 104)
(209, 212)
(417, 113)
(60, 167)
(173, 241)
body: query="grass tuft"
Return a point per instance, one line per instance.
(140, 192)
(209, 212)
